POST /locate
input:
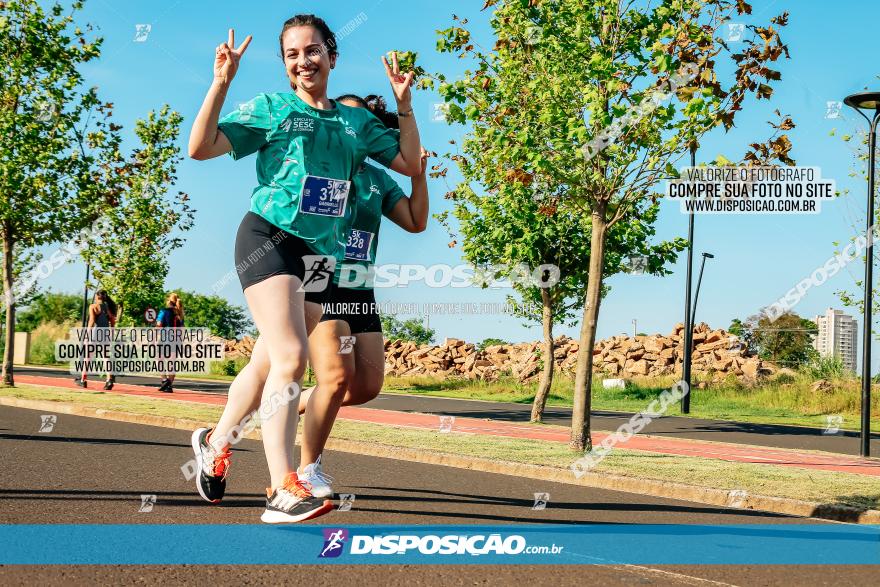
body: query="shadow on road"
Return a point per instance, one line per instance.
(109, 441)
(393, 494)
(47, 438)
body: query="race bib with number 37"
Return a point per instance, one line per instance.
(357, 248)
(324, 196)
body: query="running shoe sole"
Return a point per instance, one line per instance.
(196, 446)
(278, 517)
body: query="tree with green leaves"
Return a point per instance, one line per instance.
(744, 333)
(213, 312)
(147, 222)
(412, 330)
(602, 98)
(521, 239)
(787, 340)
(50, 307)
(59, 149)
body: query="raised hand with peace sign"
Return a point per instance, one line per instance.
(400, 82)
(227, 58)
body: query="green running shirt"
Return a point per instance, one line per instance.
(377, 194)
(294, 141)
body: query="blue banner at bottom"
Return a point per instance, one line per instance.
(763, 544)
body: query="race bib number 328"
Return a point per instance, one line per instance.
(324, 196)
(357, 248)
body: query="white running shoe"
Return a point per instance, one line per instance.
(293, 502)
(319, 481)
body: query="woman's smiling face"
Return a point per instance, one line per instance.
(307, 59)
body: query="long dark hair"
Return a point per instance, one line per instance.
(312, 21)
(376, 105)
(105, 298)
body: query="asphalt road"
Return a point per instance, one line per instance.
(772, 435)
(94, 471)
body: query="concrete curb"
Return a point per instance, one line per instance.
(705, 495)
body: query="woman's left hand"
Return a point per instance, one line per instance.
(400, 82)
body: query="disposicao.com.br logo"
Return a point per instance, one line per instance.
(431, 544)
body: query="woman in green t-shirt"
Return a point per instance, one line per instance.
(308, 149)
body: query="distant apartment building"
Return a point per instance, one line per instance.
(836, 337)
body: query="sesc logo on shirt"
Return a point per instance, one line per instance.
(302, 124)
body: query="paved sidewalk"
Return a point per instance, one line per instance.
(655, 444)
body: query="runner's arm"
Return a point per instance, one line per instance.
(408, 161)
(206, 140)
(411, 214)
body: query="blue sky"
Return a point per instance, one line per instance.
(757, 258)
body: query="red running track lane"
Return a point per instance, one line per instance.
(655, 444)
(124, 389)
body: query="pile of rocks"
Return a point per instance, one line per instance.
(459, 358)
(716, 353)
(239, 348)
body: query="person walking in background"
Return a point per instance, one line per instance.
(113, 310)
(102, 314)
(171, 316)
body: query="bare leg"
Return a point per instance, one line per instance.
(278, 309)
(369, 372)
(246, 390)
(369, 364)
(244, 395)
(333, 372)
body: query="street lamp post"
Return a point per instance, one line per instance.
(699, 281)
(869, 101)
(686, 400)
(688, 326)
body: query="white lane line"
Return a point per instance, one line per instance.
(686, 579)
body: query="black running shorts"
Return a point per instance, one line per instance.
(357, 307)
(263, 250)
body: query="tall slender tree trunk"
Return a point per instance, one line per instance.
(580, 418)
(549, 359)
(8, 267)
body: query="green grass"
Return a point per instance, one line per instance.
(114, 401)
(503, 390)
(770, 480)
(786, 400)
(201, 377)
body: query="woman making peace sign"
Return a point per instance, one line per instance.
(308, 149)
